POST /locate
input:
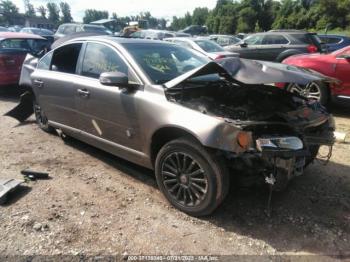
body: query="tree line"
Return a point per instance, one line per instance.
(56, 13)
(61, 13)
(230, 17)
(227, 17)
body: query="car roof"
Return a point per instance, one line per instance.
(119, 40)
(6, 35)
(292, 32)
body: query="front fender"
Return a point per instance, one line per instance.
(28, 67)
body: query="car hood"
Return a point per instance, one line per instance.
(253, 72)
(305, 57)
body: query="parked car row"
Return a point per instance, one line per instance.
(13, 49)
(196, 122)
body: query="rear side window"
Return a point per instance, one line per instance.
(61, 29)
(330, 40)
(99, 59)
(15, 44)
(65, 58)
(302, 38)
(310, 39)
(275, 40)
(45, 62)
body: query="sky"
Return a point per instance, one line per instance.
(158, 8)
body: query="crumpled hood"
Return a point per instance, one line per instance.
(253, 72)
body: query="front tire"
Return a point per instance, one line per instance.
(192, 179)
(41, 118)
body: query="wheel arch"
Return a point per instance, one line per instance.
(287, 53)
(166, 134)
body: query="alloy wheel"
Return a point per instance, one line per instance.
(310, 91)
(184, 179)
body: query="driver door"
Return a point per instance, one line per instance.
(342, 71)
(106, 112)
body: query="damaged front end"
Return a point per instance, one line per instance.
(279, 133)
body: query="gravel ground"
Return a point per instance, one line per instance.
(98, 204)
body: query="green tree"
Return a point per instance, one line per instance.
(188, 19)
(92, 15)
(29, 9)
(54, 13)
(8, 10)
(42, 11)
(247, 20)
(200, 15)
(66, 13)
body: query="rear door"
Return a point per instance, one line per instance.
(343, 71)
(53, 84)
(104, 111)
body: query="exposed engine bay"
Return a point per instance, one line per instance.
(286, 129)
(229, 100)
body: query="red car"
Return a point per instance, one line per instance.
(13, 49)
(336, 65)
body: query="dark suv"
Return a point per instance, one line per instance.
(68, 29)
(277, 45)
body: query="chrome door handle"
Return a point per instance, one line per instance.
(83, 93)
(38, 83)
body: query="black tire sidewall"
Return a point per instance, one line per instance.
(46, 127)
(199, 154)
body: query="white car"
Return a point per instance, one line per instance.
(206, 47)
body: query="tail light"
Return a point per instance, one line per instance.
(280, 85)
(219, 57)
(312, 49)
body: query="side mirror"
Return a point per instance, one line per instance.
(114, 79)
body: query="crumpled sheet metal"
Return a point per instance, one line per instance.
(253, 72)
(6, 186)
(24, 109)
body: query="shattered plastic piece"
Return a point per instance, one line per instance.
(340, 137)
(33, 175)
(24, 109)
(270, 180)
(7, 186)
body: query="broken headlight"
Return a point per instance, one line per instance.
(286, 143)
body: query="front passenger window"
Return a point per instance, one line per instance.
(99, 59)
(254, 40)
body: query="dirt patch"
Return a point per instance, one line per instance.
(96, 203)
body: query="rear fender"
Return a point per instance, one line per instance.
(287, 53)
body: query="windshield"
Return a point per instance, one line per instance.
(163, 62)
(30, 45)
(209, 46)
(97, 29)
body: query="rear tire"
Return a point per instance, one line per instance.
(313, 154)
(41, 118)
(192, 179)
